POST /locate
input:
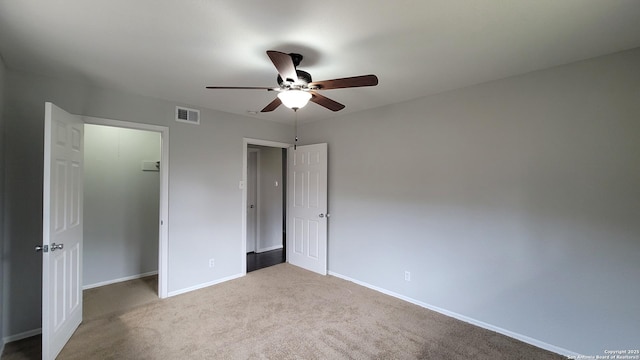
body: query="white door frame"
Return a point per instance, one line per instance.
(163, 248)
(245, 145)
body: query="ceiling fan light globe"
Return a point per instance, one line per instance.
(294, 99)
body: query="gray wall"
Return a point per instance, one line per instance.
(2, 174)
(270, 200)
(515, 202)
(121, 203)
(205, 202)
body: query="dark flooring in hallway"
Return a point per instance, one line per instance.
(256, 261)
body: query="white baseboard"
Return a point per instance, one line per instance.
(114, 281)
(275, 247)
(23, 335)
(511, 334)
(202, 286)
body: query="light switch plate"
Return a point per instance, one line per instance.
(150, 165)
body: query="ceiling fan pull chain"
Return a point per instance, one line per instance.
(295, 129)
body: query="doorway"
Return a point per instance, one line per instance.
(151, 167)
(264, 200)
(121, 205)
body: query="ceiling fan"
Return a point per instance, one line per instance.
(296, 88)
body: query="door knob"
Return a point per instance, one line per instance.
(43, 248)
(55, 246)
(321, 215)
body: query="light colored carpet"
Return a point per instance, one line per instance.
(284, 312)
(122, 296)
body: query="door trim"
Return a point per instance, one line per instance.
(245, 143)
(163, 248)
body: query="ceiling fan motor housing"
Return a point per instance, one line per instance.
(304, 78)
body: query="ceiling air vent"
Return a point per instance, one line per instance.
(186, 115)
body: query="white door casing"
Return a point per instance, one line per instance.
(163, 223)
(62, 226)
(246, 142)
(307, 207)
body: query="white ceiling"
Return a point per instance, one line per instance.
(172, 49)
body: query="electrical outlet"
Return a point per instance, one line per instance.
(407, 276)
(212, 263)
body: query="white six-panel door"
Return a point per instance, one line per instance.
(307, 207)
(62, 229)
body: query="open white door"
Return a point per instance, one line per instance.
(307, 209)
(62, 229)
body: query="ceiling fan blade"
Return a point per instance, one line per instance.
(242, 88)
(355, 81)
(326, 102)
(284, 65)
(272, 105)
